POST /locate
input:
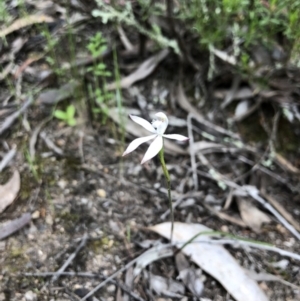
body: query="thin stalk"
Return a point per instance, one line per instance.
(167, 176)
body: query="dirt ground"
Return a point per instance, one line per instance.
(85, 199)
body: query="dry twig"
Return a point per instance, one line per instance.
(7, 158)
(11, 118)
(70, 259)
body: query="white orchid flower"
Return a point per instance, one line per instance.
(158, 128)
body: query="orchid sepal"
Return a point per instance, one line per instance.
(153, 149)
(136, 143)
(144, 123)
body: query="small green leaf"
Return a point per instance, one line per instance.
(101, 66)
(72, 122)
(70, 111)
(60, 114)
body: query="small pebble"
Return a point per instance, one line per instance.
(62, 184)
(224, 228)
(30, 296)
(156, 185)
(84, 201)
(30, 236)
(60, 142)
(101, 193)
(49, 220)
(35, 214)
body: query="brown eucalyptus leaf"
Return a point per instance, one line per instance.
(9, 191)
(251, 215)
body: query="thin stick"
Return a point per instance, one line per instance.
(7, 158)
(11, 118)
(108, 279)
(70, 259)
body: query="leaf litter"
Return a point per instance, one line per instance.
(216, 162)
(213, 259)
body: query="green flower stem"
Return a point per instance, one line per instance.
(167, 176)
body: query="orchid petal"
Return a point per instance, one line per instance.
(144, 123)
(153, 149)
(176, 137)
(136, 143)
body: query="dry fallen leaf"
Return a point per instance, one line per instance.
(145, 69)
(23, 22)
(251, 215)
(13, 226)
(129, 278)
(213, 259)
(9, 191)
(155, 253)
(285, 164)
(54, 96)
(223, 55)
